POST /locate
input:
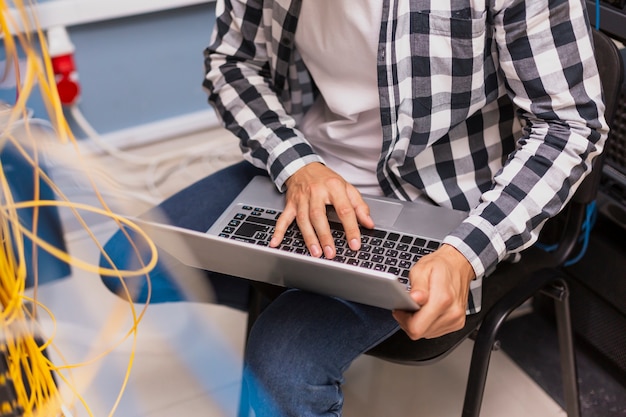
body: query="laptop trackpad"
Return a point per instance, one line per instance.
(384, 213)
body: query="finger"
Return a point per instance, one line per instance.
(282, 224)
(319, 221)
(307, 229)
(347, 217)
(436, 329)
(446, 310)
(432, 320)
(448, 322)
(419, 277)
(361, 208)
(444, 325)
(439, 315)
(414, 325)
(403, 318)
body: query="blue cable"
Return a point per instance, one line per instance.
(597, 14)
(590, 220)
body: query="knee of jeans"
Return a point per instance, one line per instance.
(300, 347)
(280, 344)
(272, 350)
(285, 370)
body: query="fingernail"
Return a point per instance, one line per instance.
(354, 244)
(315, 251)
(328, 252)
(274, 242)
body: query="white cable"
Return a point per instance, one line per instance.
(86, 127)
(94, 136)
(153, 177)
(127, 195)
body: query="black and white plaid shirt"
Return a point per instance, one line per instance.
(492, 107)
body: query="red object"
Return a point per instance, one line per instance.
(66, 78)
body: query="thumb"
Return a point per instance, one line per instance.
(419, 296)
(420, 288)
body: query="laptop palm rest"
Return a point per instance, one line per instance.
(384, 213)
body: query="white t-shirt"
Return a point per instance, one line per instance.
(343, 125)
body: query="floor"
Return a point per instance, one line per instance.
(184, 359)
(531, 341)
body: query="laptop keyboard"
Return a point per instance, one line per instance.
(381, 250)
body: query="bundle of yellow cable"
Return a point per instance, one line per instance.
(27, 382)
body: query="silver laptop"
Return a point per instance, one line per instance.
(237, 244)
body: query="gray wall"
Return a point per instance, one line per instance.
(139, 69)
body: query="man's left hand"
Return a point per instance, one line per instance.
(440, 285)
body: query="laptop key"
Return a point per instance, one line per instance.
(374, 233)
(364, 256)
(404, 264)
(433, 245)
(393, 237)
(406, 239)
(402, 247)
(250, 229)
(261, 220)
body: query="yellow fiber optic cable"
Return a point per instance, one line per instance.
(26, 374)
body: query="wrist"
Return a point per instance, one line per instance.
(305, 171)
(459, 261)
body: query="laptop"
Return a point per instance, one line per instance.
(237, 244)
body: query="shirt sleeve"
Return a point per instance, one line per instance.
(546, 56)
(242, 91)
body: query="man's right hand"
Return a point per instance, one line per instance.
(309, 191)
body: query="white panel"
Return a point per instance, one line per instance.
(156, 131)
(77, 12)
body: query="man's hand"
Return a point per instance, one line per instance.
(440, 285)
(309, 191)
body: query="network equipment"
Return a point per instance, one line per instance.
(609, 16)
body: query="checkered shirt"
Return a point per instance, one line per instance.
(493, 107)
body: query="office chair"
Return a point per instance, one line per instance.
(511, 284)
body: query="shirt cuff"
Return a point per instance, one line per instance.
(480, 243)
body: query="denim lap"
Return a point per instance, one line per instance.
(299, 348)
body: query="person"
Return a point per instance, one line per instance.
(491, 107)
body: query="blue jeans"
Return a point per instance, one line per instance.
(300, 345)
(299, 349)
